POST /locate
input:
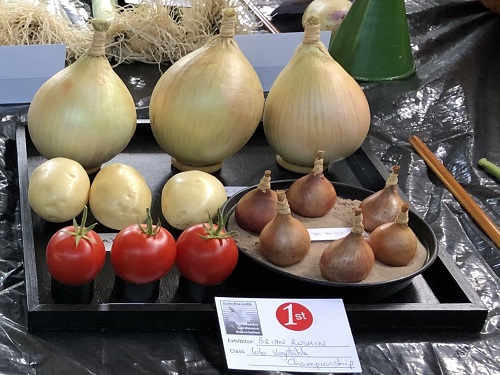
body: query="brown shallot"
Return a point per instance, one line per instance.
(394, 244)
(312, 195)
(383, 206)
(349, 259)
(258, 206)
(284, 240)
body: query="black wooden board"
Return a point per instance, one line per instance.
(438, 299)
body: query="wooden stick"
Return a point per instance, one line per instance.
(484, 221)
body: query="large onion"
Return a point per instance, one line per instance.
(207, 105)
(84, 112)
(314, 104)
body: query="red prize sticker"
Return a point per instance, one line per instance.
(294, 316)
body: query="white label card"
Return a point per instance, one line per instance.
(296, 335)
(328, 234)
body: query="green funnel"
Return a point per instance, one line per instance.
(373, 41)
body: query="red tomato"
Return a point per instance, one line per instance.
(206, 255)
(143, 254)
(75, 254)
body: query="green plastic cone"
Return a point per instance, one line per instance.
(373, 41)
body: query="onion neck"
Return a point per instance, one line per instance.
(402, 217)
(392, 180)
(282, 206)
(318, 164)
(357, 226)
(98, 46)
(228, 24)
(265, 182)
(311, 30)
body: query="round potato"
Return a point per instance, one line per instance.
(58, 189)
(189, 197)
(119, 196)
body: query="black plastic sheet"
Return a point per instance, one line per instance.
(452, 103)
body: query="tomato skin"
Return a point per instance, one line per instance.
(205, 261)
(141, 259)
(74, 265)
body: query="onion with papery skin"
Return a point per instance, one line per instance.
(284, 241)
(312, 195)
(395, 244)
(314, 104)
(350, 259)
(331, 13)
(384, 205)
(257, 207)
(84, 112)
(207, 105)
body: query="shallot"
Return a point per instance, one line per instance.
(350, 259)
(312, 195)
(258, 206)
(395, 244)
(284, 241)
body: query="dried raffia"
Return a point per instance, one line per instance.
(25, 23)
(149, 31)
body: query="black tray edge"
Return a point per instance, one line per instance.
(467, 317)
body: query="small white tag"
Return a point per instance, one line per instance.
(328, 234)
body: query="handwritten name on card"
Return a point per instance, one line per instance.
(304, 335)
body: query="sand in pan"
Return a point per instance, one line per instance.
(340, 216)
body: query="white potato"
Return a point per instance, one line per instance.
(188, 197)
(119, 196)
(58, 189)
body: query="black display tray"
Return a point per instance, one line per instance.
(438, 299)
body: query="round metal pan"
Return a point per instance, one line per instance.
(287, 284)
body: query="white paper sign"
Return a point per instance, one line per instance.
(328, 234)
(296, 335)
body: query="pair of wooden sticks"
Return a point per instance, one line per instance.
(464, 198)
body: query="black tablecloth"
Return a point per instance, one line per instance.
(452, 103)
